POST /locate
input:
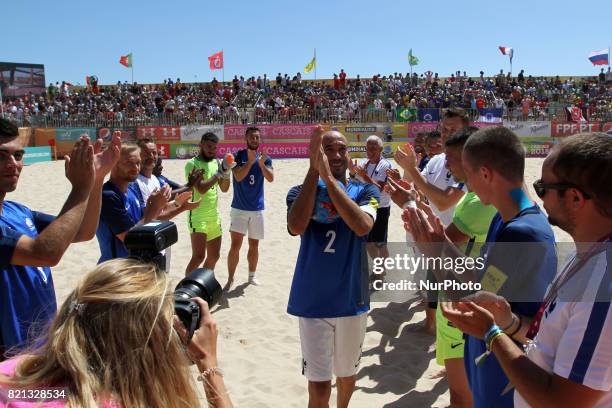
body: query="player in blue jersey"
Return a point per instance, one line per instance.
(122, 208)
(31, 241)
(329, 292)
(494, 163)
(568, 362)
(252, 167)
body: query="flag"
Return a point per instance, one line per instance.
(601, 57)
(216, 60)
(406, 114)
(429, 115)
(491, 115)
(507, 51)
(412, 60)
(87, 80)
(126, 60)
(311, 65)
(574, 114)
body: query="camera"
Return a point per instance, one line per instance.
(146, 243)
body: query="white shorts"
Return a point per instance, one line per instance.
(331, 345)
(247, 221)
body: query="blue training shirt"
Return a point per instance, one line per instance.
(27, 296)
(119, 213)
(249, 193)
(331, 276)
(529, 272)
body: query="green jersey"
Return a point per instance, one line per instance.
(208, 206)
(473, 218)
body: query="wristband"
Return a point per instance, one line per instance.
(493, 332)
(409, 204)
(505, 329)
(518, 326)
(489, 336)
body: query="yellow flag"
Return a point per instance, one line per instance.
(311, 65)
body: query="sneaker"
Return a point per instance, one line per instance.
(253, 280)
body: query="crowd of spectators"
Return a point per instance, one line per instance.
(263, 99)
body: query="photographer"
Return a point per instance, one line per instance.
(113, 344)
(31, 241)
(122, 209)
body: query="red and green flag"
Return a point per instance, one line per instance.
(126, 60)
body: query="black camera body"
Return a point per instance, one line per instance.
(145, 242)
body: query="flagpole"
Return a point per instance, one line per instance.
(315, 67)
(223, 68)
(1, 104)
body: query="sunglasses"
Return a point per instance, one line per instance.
(540, 188)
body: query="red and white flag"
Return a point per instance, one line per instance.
(216, 60)
(507, 51)
(574, 114)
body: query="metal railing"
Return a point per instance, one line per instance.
(267, 116)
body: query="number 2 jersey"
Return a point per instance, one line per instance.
(331, 274)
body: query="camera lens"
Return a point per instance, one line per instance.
(200, 283)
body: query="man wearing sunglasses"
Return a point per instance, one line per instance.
(31, 242)
(568, 362)
(519, 253)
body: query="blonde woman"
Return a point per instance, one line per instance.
(112, 344)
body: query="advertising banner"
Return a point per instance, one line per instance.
(562, 129)
(271, 132)
(421, 127)
(156, 133)
(43, 135)
(537, 146)
(359, 132)
(282, 150)
(73, 134)
(358, 149)
(128, 134)
(183, 150)
(529, 128)
(36, 155)
(163, 149)
(194, 132)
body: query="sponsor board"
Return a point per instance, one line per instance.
(529, 128)
(270, 132)
(358, 149)
(562, 129)
(281, 150)
(195, 132)
(421, 127)
(73, 134)
(172, 133)
(163, 149)
(359, 132)
(36, 155)
(537, 146)
(127, 134)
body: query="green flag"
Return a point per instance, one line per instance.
(412, 60)
(406, 114)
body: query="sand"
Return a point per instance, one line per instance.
(259, 345)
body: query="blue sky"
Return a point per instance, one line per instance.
(174, 38)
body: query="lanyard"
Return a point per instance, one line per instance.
(563, 278)
(375, 167)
